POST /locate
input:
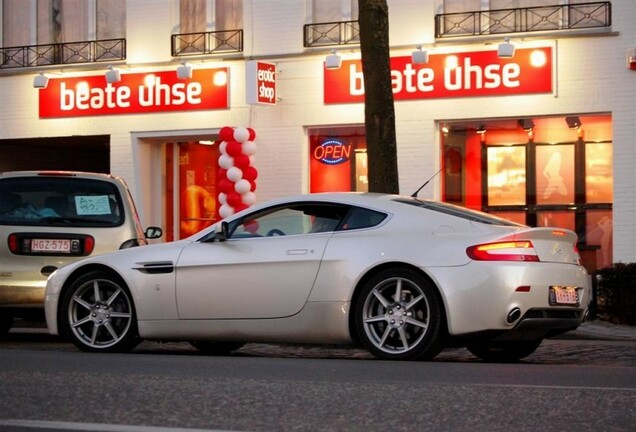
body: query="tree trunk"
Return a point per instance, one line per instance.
(379, 113)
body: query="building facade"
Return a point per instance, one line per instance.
(521, 108)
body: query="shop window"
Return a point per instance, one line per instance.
(506, 175)
(540, 172)
(338, 159)
(190, 169)
(555, 174)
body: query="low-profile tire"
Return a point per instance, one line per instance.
(6, 322)
(97, 314)
(216, 348)
(398, 316)
(503, 352)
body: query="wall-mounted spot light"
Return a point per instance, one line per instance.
(184, 71)
(526, 124)
(574, 122)
(112, 75)
(419, 56)
(40, 81)
(481, 129)
(333, 60)
(506, 49)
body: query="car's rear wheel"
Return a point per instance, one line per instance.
(501, 352)
(216, 348)
(97, 314)
(6, 322)
(398, 316)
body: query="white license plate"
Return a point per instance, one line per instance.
(51, 245)
(564, 296)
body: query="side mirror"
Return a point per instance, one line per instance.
(224, 232)
(153, 232)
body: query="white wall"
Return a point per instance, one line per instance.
(591, 76)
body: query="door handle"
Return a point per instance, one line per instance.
(297, 252)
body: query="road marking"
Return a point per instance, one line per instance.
(94, 427)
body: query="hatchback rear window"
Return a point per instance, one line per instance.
(457, 211)
(59, 201)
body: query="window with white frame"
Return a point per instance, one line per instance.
(201, 16)
(61, 21)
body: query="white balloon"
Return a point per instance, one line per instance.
(226, 161)
(222, 147)
(248, 148)
(249, 198)
(226, 211)
(234, 174)
(222, 198)
(242, 186)
(241, 134)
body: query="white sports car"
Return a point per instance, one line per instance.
(403, 277)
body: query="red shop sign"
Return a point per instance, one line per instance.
(468, 74)
(135, 93)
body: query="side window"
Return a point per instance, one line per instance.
(305, 218)
(362, 218)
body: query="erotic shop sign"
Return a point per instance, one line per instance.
(468, 74)
(135, 93)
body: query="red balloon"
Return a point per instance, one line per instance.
(240, 207)
(226, 133)
(251, 226)
(241, 161)
(252, 134)
(233, 148)
(226, 186)
(250, 173)
(221, 174)
(234, 199)
(252, 185)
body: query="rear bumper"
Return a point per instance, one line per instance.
(543, 323)
(21, 296)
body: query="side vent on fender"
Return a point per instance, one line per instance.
(155, 267)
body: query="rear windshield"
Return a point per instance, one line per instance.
(60, 201)
(457, 211)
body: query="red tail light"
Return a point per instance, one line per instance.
(503, 251)
(13, 243)
(89, 245)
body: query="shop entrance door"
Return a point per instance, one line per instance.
(191, 198)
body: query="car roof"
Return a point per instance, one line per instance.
(364, 199)
(52, 173)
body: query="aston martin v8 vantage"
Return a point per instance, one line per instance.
(400, 276)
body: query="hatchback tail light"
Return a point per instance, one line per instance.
(503, 251)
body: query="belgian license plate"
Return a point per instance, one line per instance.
(560, 295)
(51, 245)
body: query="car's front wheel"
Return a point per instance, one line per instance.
(398, 316)
(97, 314)
(503, 352)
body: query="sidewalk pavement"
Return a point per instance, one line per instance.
(602, 330)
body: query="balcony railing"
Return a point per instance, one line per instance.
(331, 33)
(107, 50)
(213, 42)
(529, 19)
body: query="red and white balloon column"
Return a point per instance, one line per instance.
(237, 175)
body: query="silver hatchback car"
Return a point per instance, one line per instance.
(51, 218)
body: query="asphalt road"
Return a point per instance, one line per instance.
(583, 385)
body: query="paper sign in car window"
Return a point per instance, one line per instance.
(92, 205)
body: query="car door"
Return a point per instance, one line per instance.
(266, 269)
